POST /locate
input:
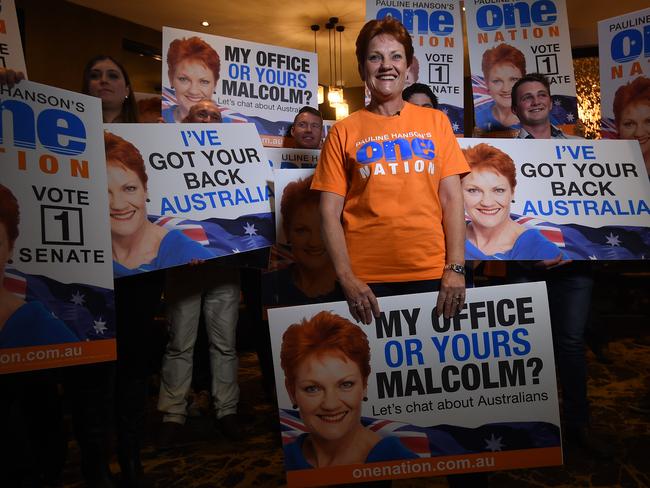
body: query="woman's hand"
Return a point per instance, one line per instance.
(361, 300)
(10, 77)
(451, 297)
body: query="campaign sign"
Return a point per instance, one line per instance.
(437, 34)
(288, 158)
(542, 199)
(624, 56)
(413, 394)
(55, 249)
(251, 82)
(301, 270)
(508, 39)
(199, 191)
(11, 49)
(283, 178)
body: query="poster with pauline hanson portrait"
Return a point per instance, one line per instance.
(534, 199)
(301, 270)
(185, 192)
(250, 82)
(413, 394)
(11, 48)
(437, 35)
(624, 52)
(56, 280)
(506, 40)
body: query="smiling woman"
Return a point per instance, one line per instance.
(326, 363)
(139, 245)
(488, 191)
(193, 70)
(502, 66)
(632, 114)
(392, 211)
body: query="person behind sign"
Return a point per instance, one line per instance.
(421, 95)
(390, 220)
(326, 364)
(214, 289)
(569, 283)
(502, 66)
(193, 70)
(307, 128)
(206, 111)
(632, 114)
(22, 324)
(488, 192)
(139, 245)
(106, 78)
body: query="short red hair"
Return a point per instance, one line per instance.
(325, 332)
(193, 48)
(126, 154)
(486, 157)
(9, 214)
(503, 54)
(636, 91)
(295, 195)
(389, 26)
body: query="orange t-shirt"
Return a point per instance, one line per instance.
(389, 169)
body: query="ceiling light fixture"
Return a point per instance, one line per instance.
(205, 23)
(335, 91)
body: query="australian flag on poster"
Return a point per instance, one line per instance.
(89, 311)
(263, 126)
(225, 236)
(456, 116)
(580, 242)
(445, 440)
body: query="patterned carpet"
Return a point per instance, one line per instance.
(207, 459)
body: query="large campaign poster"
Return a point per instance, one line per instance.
(534, 199)
(199, 191)
(506, 40)
(56, 278)
(624, 52)
(11, 48)
(437, 34)
(413, 394)
(251, 82)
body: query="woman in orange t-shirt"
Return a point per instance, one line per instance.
(389, 176)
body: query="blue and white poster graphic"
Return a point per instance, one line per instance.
(413, 388)
(250, 82)
(437, 35)
(508, 39)
(11, 49)
(292, 157)
(624, 56)
(533, 199)
(186, 192)
(56, 275)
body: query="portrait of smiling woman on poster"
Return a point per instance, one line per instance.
(138, 244)
(193, 70)
(326, 364)
(488, 192)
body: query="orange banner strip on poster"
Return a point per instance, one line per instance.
(56, 355)
(425, 467)
(272, 141)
